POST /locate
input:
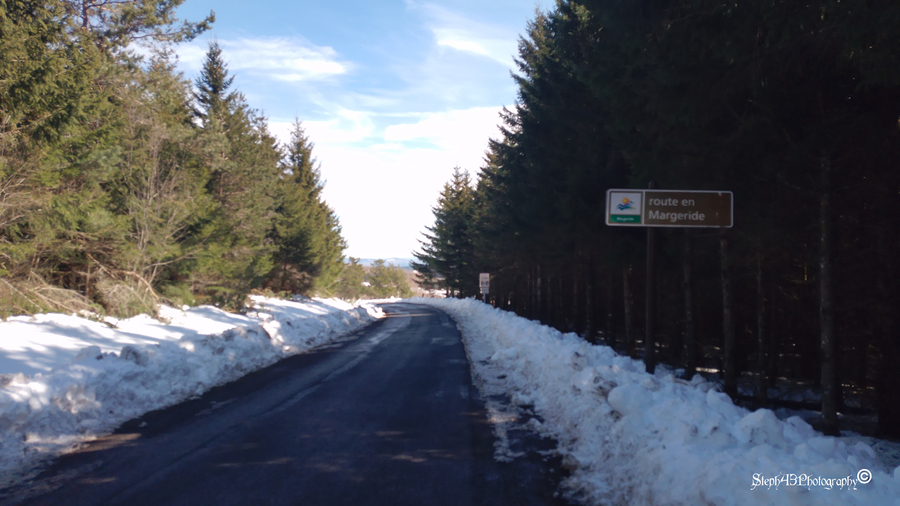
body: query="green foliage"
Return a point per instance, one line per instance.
(449, 251)
(212, 94)
(46, 71)
(241, 158)
(388, 281)
(349, 284)
(306, 231)
(113, 24)
(112, 198)
(380, 282)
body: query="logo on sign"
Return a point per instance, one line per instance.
(627, 203)
(624, 207)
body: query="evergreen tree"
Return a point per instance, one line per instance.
(114, 24)
(388, 281)
(242, 159)
(348, 285)
(306, 231)
(68, 96)
(212, 95)
(449, 251)
(158, 188)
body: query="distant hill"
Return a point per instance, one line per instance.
(399, 262)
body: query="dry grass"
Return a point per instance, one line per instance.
(34, 295)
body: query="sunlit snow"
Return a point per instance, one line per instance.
(634, 438)
(65, 380)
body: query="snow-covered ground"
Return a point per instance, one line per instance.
(634, 438)
(65, 379)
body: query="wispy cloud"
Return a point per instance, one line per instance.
(291, 59)
(499, 50)
(450, 29)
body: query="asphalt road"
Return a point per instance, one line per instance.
(387, 416)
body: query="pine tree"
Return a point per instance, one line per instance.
(114, 24)
(449, 250)
(306, 231)
(242, 158)
(159, 187)
(67, 95)
(213, 83)
(348, 284)
(388, 281)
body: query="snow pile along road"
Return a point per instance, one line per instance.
(634, 438)
(65, 380)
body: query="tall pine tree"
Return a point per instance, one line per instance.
(449, 251)
(306, 231)
(242, 158)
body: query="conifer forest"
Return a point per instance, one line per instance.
(123, 185)
(791, 105)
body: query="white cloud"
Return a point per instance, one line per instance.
(464, 34)
(382, 189)
(191, 54)
(497, 49)
(345, 126)
(456, 130)
(462, 45)
(279, 58)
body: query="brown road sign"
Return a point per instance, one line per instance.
(669, 208)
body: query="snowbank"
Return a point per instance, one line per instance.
(65, 379)
(635, 438)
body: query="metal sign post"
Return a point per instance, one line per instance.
(665, 208)
(650, 315)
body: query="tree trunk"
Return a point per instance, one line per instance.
(559, 306)
(88, 286)
(773, 344)
(762, 384)
(610, 333)
(548, 296)
(562, 317)
(728, 352)
(826, 306)
(690, 345)
(283, 275)
(575, 312)
(888, 395)
(629, 305)
(530, 285)
(589, 303)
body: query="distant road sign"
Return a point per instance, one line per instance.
(484, 282)
(669, 208)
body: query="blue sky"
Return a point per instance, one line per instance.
(394, 94)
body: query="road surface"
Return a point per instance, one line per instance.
(386, 416)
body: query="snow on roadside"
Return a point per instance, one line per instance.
(634, 438)
(65, 380)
